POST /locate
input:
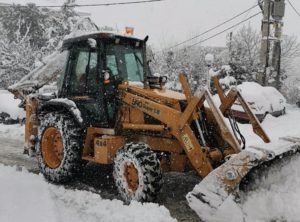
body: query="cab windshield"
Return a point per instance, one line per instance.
(126, 62)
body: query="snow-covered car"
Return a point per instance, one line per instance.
(262, 100)
(10, 113)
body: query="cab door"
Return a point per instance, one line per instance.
(84, 86)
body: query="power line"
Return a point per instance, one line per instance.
(90, 5)
(213, 28)
(219, 33)
(297, 12)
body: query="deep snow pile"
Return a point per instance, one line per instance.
(28, 197)
(276, 193)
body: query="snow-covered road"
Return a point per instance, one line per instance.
(28, 197)
(11, 154)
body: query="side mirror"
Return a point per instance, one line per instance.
(146, 38)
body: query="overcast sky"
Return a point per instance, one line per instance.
(173, 21)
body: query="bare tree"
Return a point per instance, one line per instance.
(290, 50)
(245, 52)
(245, 47)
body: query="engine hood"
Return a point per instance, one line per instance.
(157, 93)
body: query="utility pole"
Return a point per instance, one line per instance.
(265, 43)
(278, 14)
(230, 48)
(273, 13)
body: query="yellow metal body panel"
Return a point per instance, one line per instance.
(106, 147)
(31, 123)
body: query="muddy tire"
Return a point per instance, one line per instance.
(137, 173)
(59, 148)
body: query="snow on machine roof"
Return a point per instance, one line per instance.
(70, 40)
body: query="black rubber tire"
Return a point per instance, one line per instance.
(149, 172)
(71, 164)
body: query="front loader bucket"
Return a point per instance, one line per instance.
(223, 183)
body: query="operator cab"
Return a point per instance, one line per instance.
(96, 65)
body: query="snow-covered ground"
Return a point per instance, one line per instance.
(275, 127)
(28, 197)
(10, 105)
(15, 131)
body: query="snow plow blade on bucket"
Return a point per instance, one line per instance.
(208, 196)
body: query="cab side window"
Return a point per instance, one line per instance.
(93, 73)
(112, 64)
(84, 75)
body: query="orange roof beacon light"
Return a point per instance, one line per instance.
(129, 31)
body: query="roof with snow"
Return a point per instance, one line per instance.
(97, 35)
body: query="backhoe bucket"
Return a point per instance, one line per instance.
(222, 183)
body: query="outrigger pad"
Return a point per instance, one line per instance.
(222, 185)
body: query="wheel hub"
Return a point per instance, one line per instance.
(52, 147)
(132, 177)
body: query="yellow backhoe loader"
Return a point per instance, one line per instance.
(109, 109)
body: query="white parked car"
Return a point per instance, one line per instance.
(262, 100)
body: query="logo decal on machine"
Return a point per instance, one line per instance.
(144, 105)
(187, 142)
